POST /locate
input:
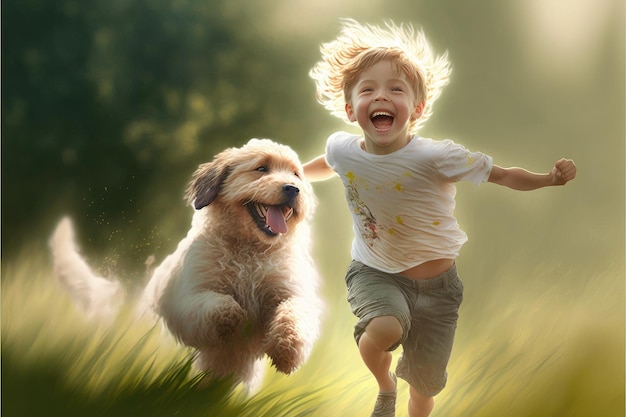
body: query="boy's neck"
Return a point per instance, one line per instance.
(371, 147)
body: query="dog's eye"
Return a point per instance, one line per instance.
(296, 174)
(262, 168)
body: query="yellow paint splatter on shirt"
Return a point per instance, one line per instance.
(350, 176)
(399, 187)
(399, 220)
(391, 231)
(436, 223)
(470, 160)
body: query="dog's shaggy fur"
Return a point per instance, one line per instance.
(242, 283)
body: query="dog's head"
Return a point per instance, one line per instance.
(257, 187)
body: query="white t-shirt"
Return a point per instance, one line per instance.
(402, 203)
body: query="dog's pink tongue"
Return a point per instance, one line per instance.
(275, 219)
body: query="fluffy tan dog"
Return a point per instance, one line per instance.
(241, 284)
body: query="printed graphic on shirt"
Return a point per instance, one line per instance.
(369, 227)
(367, 221)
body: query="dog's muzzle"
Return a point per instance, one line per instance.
(272, 219)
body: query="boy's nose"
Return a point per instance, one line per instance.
(381, 96)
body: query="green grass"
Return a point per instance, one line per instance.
(528, 349)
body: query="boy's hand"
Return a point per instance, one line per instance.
(564, 170)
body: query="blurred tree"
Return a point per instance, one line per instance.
(109, 105)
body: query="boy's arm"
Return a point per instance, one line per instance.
(317, 169)
(520, 179)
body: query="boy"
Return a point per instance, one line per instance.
(402, 283)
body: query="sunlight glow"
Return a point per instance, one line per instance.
(562, 37)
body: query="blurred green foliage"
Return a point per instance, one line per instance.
(106, 104)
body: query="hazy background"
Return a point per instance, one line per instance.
(109, 105)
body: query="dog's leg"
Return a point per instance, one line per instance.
(203, 319)
(240, 366)
(291, 335)
(254, 377)
(226, 319)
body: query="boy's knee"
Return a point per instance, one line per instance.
(385, 331)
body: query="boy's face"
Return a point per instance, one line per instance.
(383, 103)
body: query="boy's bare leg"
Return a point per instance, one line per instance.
(380, 334)
(419, 405)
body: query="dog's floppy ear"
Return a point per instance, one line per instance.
(206, 182)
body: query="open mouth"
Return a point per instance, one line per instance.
(271, 219)
(382, 120)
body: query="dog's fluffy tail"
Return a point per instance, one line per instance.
(97, 297)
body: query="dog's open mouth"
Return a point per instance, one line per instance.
(271, 219)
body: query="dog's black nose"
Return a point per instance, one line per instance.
(290, 190)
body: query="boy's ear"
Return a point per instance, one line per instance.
(419, 109)
(350, 112)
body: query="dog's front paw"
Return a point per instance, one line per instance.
(228, 322)
(284, 345)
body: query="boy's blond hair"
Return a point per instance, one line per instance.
(358, 47)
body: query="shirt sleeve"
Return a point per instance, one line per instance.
(456, 163)
(332, 145)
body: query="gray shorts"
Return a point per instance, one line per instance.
(427, 310)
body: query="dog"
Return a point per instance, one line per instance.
(242, 284)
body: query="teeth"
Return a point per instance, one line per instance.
(381, 113)
(262, 211)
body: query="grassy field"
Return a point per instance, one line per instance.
(541, 334)
(559, 353)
